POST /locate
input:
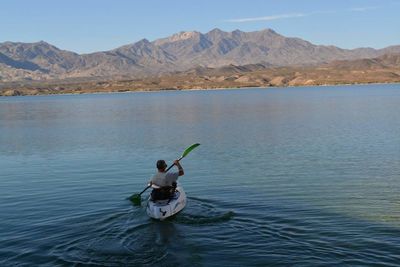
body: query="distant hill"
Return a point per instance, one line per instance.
(383, 62)
(180, 52)
(387, 61)
(383, 69)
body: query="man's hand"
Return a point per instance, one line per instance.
(181, 172)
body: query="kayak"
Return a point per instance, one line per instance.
(162, 209)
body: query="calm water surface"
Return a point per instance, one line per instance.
(298, 176)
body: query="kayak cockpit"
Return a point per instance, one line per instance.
(162, 209)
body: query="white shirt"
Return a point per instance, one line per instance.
(165, 179)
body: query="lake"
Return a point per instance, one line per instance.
(284, 176)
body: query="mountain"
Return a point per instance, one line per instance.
(180, 52)
(43, 56)
(386, 61)
(383, 69)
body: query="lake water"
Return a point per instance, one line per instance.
(298, 176)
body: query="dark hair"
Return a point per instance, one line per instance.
(161, 164)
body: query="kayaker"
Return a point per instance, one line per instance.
(163, 183)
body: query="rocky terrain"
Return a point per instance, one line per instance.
(181, 52)
(383, 69)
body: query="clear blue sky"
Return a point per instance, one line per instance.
(93, 25)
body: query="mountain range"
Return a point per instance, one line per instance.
(177, 53)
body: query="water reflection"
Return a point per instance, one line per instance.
(308, 174)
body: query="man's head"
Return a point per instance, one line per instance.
(161, 165)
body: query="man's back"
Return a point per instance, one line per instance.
(163, 179)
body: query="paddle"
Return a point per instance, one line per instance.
(136, 198)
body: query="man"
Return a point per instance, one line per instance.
(163, 183)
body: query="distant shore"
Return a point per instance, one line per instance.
(28, 92)
(333, 74)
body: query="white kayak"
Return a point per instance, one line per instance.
(162, 209)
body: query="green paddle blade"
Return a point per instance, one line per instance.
(189, 149)
(136, 199)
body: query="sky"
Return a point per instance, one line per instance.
(85, 26)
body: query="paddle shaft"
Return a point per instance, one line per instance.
(144, 190)
(173, 164)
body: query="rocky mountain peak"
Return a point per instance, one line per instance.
(183, 36)
(216, 31)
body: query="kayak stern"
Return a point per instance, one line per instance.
(163, 209)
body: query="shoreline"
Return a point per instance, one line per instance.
(191, 89)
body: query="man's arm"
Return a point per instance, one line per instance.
(181, 171)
